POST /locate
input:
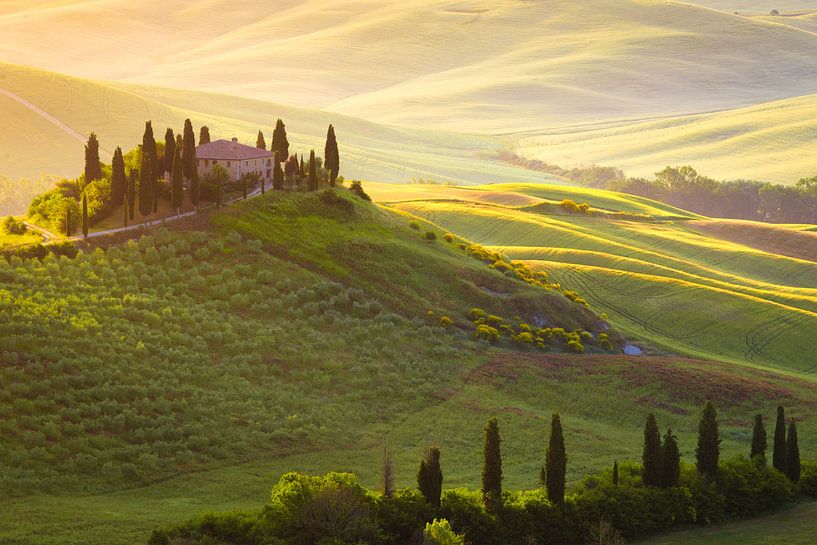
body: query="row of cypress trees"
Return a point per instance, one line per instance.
(785, 450)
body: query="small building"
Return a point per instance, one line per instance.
(237, 159)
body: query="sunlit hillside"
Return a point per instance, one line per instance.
(773, 142)
(47, 117)
(481, 65)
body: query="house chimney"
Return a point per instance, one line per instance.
(235, 140)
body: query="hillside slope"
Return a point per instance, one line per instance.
(482, 65)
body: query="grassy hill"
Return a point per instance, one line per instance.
(188, 369)
(32, 145)
(688, 286)
(482, 66)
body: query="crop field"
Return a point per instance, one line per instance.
(667, 280)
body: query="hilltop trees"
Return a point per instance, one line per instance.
(708, 450)
(149, 148)
(758, 439)
(313, 172)
(93, 168)
(792, 454)
(277, 173)
(170, 150)
(84, 215)
(291, 170)
(652, 467)
(260, 142)
(279, 140)
(491, 466)
(189, 150)
(430, 476)
(145, 187)
(671, 460)
(177, 187)
(554, 472)
(204, 134)
(119, 182)
(331, 156)
(779, 455)
(131, 194)
(388, 471)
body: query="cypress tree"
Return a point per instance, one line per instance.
(145, 187)
(313, 172)
(708, 450)
(84, 216)
(277, 173)
(779, 456)
(671, 459)
(279, 140)
(131, 194)
(125, 209)
(170, 150)
(615, 473)
(188, 150)
(331, 156)
(388, 473)
(204, 134)
(195, 189)
(303, 166)
(759, 439)
(93, 169)
(260, 142)
(149, 147)
(651, 456)
(491, 466)
(177, 188)
(430, 476)
(68, 221)
(119, 182)
(554, 472)
(792, 454)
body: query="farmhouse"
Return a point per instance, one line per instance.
(237, 159)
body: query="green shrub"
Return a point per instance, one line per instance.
(448, 237)
(414, 225)
(487, 333)
(440, 532)
(576, 298)
(13, 226)
(446, 321)
(808, 479)
(356, 188)
(430, 235)
(575, 346)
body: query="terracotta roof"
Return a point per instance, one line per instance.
(230, 150)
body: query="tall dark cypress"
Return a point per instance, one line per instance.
(758, 438)
(779, 456)
(84, 215)
(388, 473)
(125, 210)
(651, 456)
(145, 187)
(671, 460)
(119, 182)
(491, 466)
(615, 473)
(430, 476)
(170, 150)
(277, 173)
(260, 142)
(313, 172)
(554, 472)
(68, 226)
(93, 169)
(708, 450)
(303, 167)
(792, 454)
(131, 194)
(154, 171)
(188, 150)
(279, 140)
(204, 134)
(177, 183)
(331, 156)
(195, 189)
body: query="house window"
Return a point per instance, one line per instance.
(228, 164)
(269, 173)
(206, 163)
(215, 162)
(246, 163)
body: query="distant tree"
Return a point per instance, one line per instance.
(204, 134)
(93, 168)
(313, 172)
(177, 187)
(260, 142)
(131, 194)
(792, 454)
(615, 473)
(195, 189)
(145, 187)
(759, 438)
(388, 474)
(277, 173)
(708, 449)
(170, 150)
(84, 215)
(279, 140)
(651, 456)
(302, 167)
(491, 466)
(331, 155)
(125, 209)
(119, 182)
(779, 455)
(68, 226)
(554, 472)
(671, 460)
(430, 476)
(189, 150)
(149, 147)
(291, 170)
